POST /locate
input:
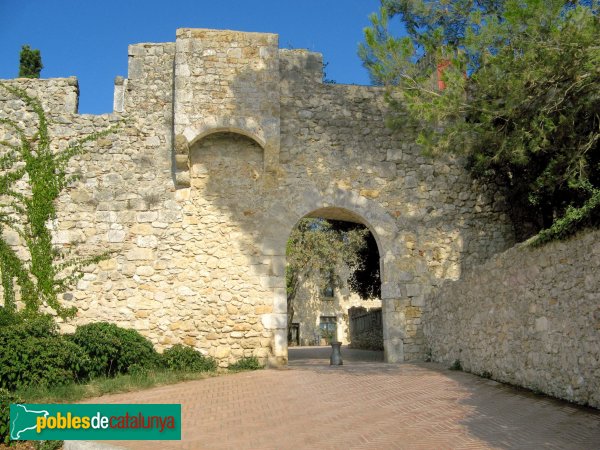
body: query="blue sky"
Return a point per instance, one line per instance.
(89, 38)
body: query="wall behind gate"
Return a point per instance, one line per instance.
(529, 316)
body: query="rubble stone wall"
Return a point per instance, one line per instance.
(224, 143)
(528, 316)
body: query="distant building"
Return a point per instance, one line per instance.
(321, 314)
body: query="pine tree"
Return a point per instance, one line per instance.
(520, 101)
(30, 62)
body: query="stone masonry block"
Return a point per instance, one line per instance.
(274, 321)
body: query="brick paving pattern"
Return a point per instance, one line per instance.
(364, 405)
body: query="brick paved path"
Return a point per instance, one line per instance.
(365, 405)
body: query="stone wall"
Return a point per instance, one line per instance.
(430, 219)
(529, 317)
(366, 328)
(225, 143)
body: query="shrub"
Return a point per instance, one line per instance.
(48, 445)
(28, 357)
(180, 357)
(6, 398)
(112, 350)
(39, 325)
(246, 363)
(8, 317)
(486, 374)
(456, 365)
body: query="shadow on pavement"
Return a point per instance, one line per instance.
(319, 356)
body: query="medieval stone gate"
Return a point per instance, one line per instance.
(226, 142)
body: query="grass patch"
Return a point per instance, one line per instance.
(97, 387)
(33, 445)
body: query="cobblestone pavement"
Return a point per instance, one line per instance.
(364, 404)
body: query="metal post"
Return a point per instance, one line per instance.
(336, 355)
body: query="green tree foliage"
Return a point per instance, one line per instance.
(365, 279)
(30, 62)
(522, 96)
(316, 246)
(27, 159)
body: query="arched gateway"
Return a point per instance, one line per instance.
(229, 142)
(339, 205)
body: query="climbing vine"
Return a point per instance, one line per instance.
(32, 176)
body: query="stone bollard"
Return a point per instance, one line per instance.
(336, 355)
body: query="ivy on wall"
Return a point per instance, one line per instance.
(44, 271)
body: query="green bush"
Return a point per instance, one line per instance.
(246, 363)
(456, 365)
(112, 350)
(6, 398)
(48, 445)
(39, 325)
(32, 352)
(180, 357)
(27, 357)
(8, 317)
